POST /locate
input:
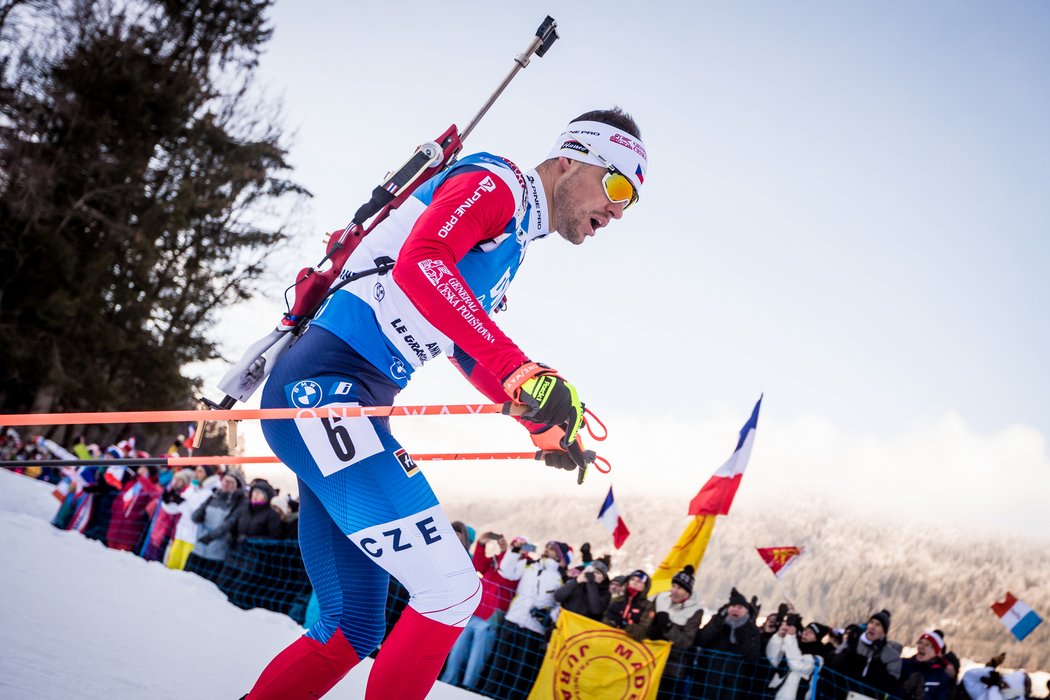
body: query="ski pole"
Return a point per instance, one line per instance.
(236, 414)
(264, 459)
(546, 35)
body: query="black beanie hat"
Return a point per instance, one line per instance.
(684, 578)
(818, 629)
(883, 616)
(737, 598)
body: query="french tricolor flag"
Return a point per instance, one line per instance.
(717, 494)
(609, 516)
(1016, 616)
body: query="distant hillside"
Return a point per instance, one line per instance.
(853, 567)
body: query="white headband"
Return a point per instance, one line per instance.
(617, 147)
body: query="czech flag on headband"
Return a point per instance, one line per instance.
(1016, 616)
(609, 516)
(780, 559)
(717, 494)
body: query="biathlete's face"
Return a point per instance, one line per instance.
(581, 205)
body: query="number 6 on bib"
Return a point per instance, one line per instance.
(337, 443)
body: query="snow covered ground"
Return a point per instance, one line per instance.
(78, 620)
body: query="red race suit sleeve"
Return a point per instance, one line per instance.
(462, 214)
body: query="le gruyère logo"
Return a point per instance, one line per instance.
(581, 663)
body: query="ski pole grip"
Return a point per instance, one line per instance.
(547, 34)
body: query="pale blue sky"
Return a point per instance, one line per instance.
(847, 207)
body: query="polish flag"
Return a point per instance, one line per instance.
(717, 494)
(1016, 616)
(609, 516)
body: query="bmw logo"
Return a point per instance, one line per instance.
(306, 394)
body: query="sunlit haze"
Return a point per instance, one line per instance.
(847, 209)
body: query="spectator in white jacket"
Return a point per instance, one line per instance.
(522, 639)
(794, 662)
(986, 683)
(202, 486)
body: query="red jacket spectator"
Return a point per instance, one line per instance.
(496, 591)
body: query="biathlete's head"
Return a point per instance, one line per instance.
(593, 173)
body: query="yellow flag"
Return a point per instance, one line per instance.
(587, 660)
(689, 549)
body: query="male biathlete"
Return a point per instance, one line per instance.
(366, 512)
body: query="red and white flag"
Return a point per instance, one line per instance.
(717, 494)
(779, 559)
(609, 516)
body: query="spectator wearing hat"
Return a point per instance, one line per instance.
(185, 537)
(628, 612)
(732, 631)
(869, 656)
(522, 638)
(811, 640)
(256, 517)
(793, 659)
(470, 653)
(923, 676)
(588, 593)
(215, 517)
(674, 615)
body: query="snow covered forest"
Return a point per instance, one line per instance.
(852, 568)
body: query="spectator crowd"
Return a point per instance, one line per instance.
(212, 522)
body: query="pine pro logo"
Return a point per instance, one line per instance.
(487, 184)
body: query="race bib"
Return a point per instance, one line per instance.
(336, 443)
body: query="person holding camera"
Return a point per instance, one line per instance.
(869, 656)
(522, 638)
(793, 659)
(588, 593)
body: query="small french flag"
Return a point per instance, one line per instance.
(1016, 616)
(609, 516)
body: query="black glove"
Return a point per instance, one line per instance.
(206, 538)
(563, 460)
(852, 635)
(993, 680)
(658, 626)
(550, 399)
(585, 551)
(878, 645)
(723, 611)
